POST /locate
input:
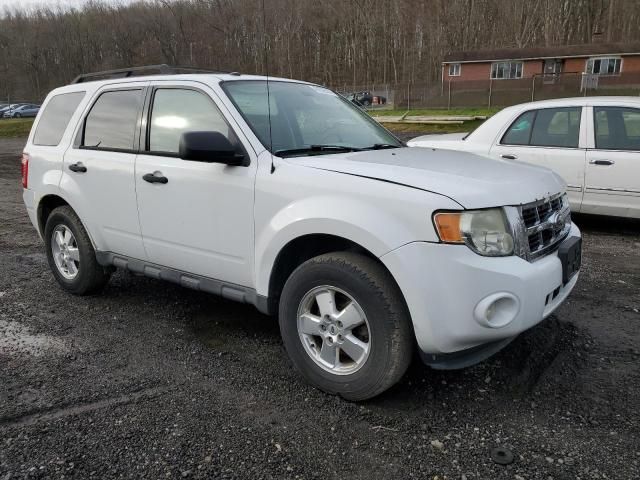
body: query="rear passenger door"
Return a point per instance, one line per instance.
(98, 174)
(613, 161)
(201, 220)
(554, 138)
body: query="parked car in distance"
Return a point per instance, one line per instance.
(27, 110)
(4, 111)
(284, 195)
(592, 142)
(366, 99)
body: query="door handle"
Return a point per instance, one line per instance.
(77, 167)
(509, 156)
(601, 162)
(155, 177)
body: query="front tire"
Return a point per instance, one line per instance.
(345, 325)
(70, 253)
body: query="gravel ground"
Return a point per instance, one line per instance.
(153, 380)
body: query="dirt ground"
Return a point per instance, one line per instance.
(152, 380)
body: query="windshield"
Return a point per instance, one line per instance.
(305, 119)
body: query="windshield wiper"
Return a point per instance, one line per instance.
(316, 148)
(381, 146)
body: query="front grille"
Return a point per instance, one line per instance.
(547, 222)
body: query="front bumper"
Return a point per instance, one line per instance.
(446, 286)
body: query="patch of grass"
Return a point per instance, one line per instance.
(425, 129)
(15, 127)
(438, 112)
(20, 127)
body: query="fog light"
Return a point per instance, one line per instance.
(497, 310)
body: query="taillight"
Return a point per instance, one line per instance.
(25, 170)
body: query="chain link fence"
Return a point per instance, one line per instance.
(491, 93)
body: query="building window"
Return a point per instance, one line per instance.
(454, 69)
(504, 70)
(604, 66)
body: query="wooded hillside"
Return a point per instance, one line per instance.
(334, 42)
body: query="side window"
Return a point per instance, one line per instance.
(111, 123)
(617, 128)
(55, 118)
(557, 127)
(549, 127)
(519, 132)
(176, 111)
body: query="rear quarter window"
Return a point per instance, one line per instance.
(55, 118)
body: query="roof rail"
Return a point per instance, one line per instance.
(162, 69)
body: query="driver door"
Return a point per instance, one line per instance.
(201, 220)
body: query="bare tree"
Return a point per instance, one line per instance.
(336, 42)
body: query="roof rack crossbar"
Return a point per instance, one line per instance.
(162, 69)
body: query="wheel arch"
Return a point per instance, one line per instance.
(47, 204)
(303, 248)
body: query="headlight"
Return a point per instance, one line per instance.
(486, 232)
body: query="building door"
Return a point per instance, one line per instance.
(552, 69)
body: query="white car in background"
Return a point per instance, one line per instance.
(592, 143)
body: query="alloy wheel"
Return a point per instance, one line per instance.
(334, 330)
(66, 255)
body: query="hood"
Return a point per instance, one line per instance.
(434, 138)
(471, 180)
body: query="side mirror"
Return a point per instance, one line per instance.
(211, 147)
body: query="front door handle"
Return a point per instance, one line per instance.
(77, 167)
(602, 162)
(509, 156)
(155, 177)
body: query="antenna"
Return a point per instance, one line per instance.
(266, 66)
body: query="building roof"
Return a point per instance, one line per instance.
(535, 53)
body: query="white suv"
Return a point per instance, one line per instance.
(284, 195)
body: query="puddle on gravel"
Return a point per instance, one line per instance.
(17, 339)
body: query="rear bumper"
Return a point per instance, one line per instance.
(449, 290)
(29, 198)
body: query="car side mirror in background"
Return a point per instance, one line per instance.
(211, 147)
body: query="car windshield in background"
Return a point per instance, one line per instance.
(305, 119)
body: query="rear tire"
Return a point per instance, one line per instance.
(370, 357)
(70, 253)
